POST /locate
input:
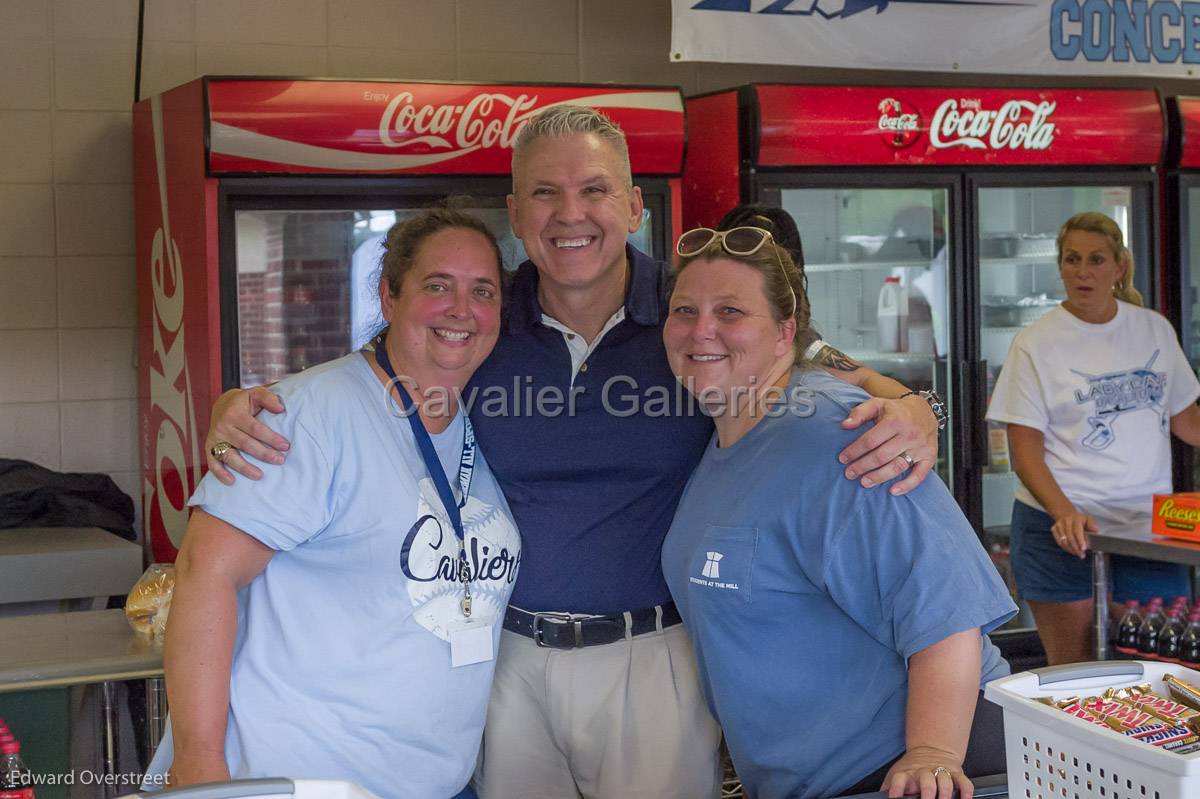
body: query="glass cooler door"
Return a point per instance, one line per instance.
(1189, 249)
(306, 281)
(1019, 282)
(863, 247)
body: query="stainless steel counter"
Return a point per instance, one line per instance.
(50, 650)
(1136, 542)
(54, 650)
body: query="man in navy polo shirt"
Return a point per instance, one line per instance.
(595, 692)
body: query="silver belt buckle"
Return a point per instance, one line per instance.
(557, 618)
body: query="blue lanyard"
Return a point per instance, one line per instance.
(466, 466)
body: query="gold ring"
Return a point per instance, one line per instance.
(940, 770)
(219, 450)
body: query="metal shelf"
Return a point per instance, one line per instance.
(1021, 260)
(858, 266)
(894, 357)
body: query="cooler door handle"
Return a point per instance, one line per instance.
(983, 449)
(967, 427)
(1048, 675)
(971, 402)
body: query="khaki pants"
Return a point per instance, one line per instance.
(624, 720)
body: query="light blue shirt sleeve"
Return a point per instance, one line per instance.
(292, 503)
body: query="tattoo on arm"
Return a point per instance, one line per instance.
(833, 358)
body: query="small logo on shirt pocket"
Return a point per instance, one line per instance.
(724, 561)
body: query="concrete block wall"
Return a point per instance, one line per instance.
(67, 378)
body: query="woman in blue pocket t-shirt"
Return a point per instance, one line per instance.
(840, 633)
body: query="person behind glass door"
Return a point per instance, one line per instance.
(1091, 393)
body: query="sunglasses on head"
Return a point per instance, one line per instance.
(735, 241)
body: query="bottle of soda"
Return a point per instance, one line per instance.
(16, 781)
(1152, 622)
(1169, 637)
(1127, 630)
(1189, 642)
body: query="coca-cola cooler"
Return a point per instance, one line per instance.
(1182, 243)
(261, 205)
(957, 192)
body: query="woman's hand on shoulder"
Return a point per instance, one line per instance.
(902, 426)
(1070, 531)
(233, 423)
(930, 772)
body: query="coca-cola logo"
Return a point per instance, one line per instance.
(1017, 125)
(898, 123)
(487, 120)
(172, 448)
(174, 443)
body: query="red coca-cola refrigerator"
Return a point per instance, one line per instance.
(1181, 194)
(957, 192)
(261, 205)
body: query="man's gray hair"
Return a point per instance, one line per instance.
(560, 121)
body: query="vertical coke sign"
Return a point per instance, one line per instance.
(178, 369)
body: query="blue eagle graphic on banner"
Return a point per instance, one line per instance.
(836, 9)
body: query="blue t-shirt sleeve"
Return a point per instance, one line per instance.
(292, 502)
(911, 572)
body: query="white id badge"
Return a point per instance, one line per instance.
(470, 641)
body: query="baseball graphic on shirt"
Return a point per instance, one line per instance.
(430, 561)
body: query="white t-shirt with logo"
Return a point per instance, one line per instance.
(1103, 396)
(341, 666)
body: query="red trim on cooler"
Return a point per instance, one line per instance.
(896, 126)
(383, 128)
(710, 176)
(178, 312)
(1189, 131)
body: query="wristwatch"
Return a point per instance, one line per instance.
(935, 404)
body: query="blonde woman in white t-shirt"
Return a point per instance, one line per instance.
(1091, 394)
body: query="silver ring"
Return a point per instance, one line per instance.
(940, 770)
(220, 449)
(908, 459)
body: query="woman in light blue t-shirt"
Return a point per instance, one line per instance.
(334, 620)
(840, 634)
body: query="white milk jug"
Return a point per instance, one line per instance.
(892, 316)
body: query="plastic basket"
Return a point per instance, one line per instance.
(1052, 755)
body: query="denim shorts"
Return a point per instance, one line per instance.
(1046, 573)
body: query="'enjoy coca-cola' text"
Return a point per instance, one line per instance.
(1018, 125)
(487, 120)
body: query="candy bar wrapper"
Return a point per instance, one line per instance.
(1074, 708)
(1183, 691)
(1172, 739)
(1120, 716)
(1168, 710)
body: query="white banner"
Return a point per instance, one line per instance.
(1157, 38)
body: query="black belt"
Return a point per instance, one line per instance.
(561, 631)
